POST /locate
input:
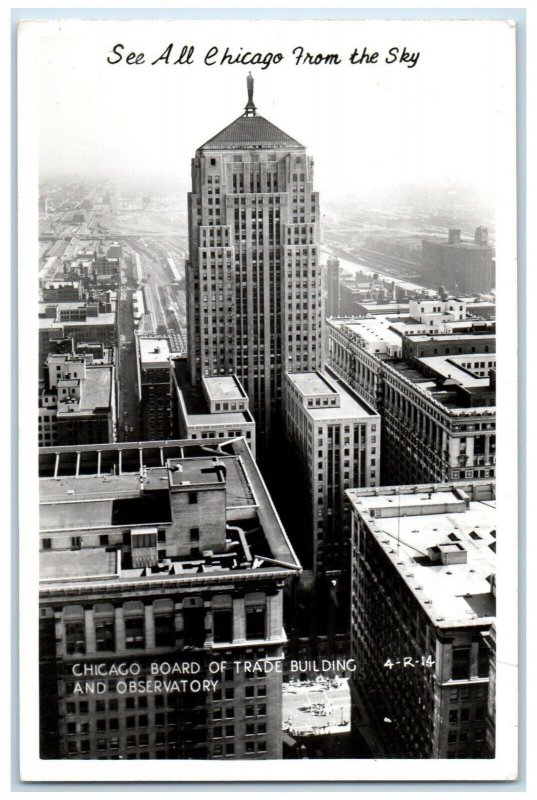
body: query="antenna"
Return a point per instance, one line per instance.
(250, 109)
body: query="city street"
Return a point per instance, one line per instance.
(128, 408)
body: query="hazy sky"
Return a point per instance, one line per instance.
(367, 125)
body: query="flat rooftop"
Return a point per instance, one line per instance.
(312, 383)
(87, 502)
(197, 407)
(224, 388)
(83, 565)
(466, 338)
(463, 244)
(351, 406)
(154, 351)
(105, 318)
(76, 502)
(95, 392)
(451, 367)
(372, 330)
(451, 594)
(454, 394)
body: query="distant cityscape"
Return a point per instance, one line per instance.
(267, 458)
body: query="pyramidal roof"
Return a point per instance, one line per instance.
(250, 131)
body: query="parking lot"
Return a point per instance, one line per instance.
(311, 708)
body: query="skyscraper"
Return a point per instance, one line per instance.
(253, 275)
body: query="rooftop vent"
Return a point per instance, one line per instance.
(448, 553)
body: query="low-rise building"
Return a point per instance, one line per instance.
(464, 266)
(82, 322)
(218, 407)
(77, 404)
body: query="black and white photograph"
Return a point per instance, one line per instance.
(270, 470)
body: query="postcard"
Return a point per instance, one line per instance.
(267, 297)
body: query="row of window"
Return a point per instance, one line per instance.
(194, 632)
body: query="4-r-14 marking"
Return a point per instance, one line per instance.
(408, 661)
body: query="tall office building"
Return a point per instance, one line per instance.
(153, 364)
(337, 439)
(423, 614)
(253, 275)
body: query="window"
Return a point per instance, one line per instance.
(461, 663)
(105, 638)
(192, 498)
(164, 630)
(134, 632)
(194, 534)
(76, 542)
(103, 540)
(139, 540)
(75, 636)
(223, 625)
(255, 622)
(47, 544)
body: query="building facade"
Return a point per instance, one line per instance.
(177, 564)
(333, 274)
(337, 438)
(423, 605)
(218, 408)
(460, 265)
(431, 375)
(153, 362)
(254, 283)
(77, 404)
